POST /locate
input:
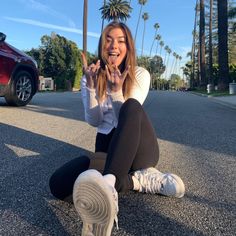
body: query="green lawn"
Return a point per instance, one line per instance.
(213, 93)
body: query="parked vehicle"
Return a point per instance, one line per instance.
(18, 74)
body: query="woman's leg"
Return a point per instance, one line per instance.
(133, 146)
(62, 180)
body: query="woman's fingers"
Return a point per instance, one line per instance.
(125, 73)
(84, 61)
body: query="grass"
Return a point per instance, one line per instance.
(214, 93)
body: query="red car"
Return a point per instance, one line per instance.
(18, 75)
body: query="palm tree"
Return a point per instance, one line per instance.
(210, 80)
(145, 17)
(158, 38)
(104, 4)
(222, 7)
(180, 58)
(161, 45)
(142, 3)
(193, 52)
(202, 44)
(116, 10)
(156, 27)
(232, 14)
(167, 61)
(166, 49)
(173, 63)
(85, 18)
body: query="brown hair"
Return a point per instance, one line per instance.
(129, 60)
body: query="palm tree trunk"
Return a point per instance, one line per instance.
(193, 53)
(85, 17)
(153, 43)
(139, 16)
(104, 4)
(210, 81)
(144, 27)
(223, 44)
(202, 44)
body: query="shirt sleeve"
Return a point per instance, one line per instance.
(141, 86)
(139, 91)
(92, 109)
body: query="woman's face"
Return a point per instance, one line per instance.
(115, 46)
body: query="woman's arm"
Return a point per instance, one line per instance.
(141, 87)
(93, 112)
(139, 91)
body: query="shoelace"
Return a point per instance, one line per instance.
(153, 184)
(150, 182)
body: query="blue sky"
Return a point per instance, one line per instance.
(26, 21)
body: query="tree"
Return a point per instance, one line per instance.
(232, 14)
(168, 51)
(116, 10)
(222, 7)
(161, 45)
(145, 17)
(156, 27)
(157, 68)
(193, 52)
(202, 44)
(104, 4)
(158, 38)
(142, 3)
(85, 18)
(59, 58)
(210, 80)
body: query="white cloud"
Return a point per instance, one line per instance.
(51, 26)
(37, 6)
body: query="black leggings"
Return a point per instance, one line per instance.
(131, 146)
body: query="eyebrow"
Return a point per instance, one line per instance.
(120, 37)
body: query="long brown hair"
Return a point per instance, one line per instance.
(129, 60)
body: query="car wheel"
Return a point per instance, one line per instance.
(20, 89)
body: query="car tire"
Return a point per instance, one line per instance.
(21, 89)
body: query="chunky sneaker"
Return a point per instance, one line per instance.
(153, 181)
(96, 202)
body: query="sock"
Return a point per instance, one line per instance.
(136, 183)
(110, 179)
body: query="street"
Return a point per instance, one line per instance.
(197, 139)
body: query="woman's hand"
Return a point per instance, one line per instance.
(90, 72)
(115, 79)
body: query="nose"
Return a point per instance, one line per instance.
(114, 44)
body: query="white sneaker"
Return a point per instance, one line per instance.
(153, 181)
(96, 202)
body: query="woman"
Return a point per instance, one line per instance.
(113, 91)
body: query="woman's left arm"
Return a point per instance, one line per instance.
(141, 86)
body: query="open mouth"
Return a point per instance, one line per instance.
(112, 57)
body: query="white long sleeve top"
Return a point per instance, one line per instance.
(104, 115)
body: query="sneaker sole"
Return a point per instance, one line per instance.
(94, 203)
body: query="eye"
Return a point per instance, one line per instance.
(122, 41)
(108, 40)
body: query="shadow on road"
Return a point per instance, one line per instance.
(26, 203)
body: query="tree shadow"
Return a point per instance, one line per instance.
(144, 214)
(27, 161)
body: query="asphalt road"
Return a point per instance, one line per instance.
(197, 138)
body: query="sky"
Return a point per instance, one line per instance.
(26, 21)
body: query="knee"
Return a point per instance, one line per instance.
(62, 180)
(55, 186)
(132, 106)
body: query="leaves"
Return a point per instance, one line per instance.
(116, 10)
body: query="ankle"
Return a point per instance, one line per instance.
(136, 183)
(110, 179)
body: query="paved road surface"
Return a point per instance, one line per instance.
(197, 138)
